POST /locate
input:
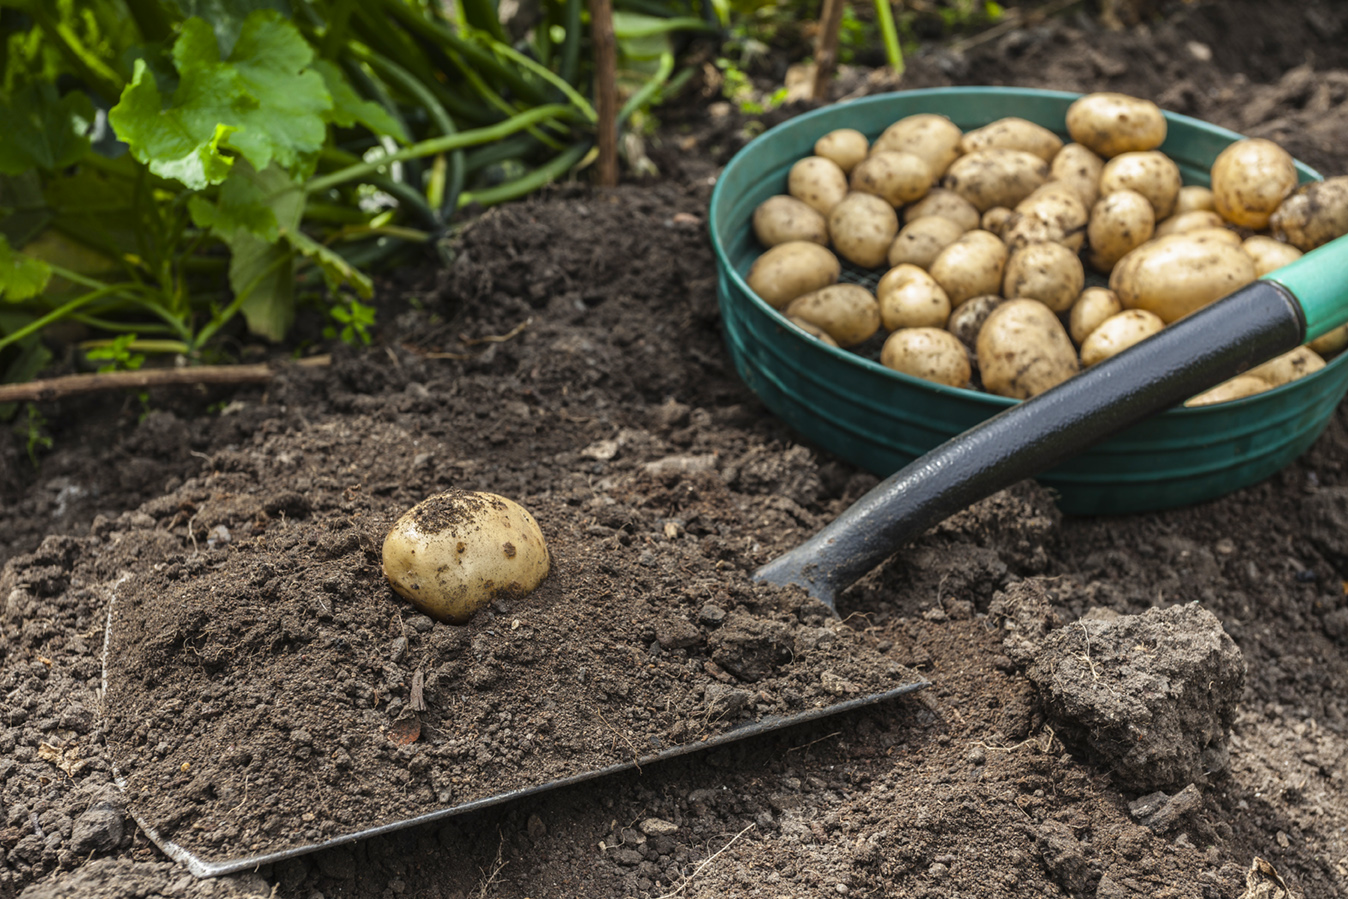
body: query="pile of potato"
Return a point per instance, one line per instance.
(986, 238)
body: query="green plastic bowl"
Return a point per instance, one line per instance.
(881, 419)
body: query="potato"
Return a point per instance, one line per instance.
(1190, 221)
(847, 312)
(813, 330)
(1177, 274)
(966, 321)
(1331, 342)
(844, 146)
(928, 353)
(1117, 333)
(1091, 308)
(1222, 234)
(911, 298)
(791, 269)
(818, 182)
(1108, 124)
(1023, 350)
(946, 204)
(1268, 254)
(1288, 367)
(1048, 272)
(1193, 198)
(1250, 179)
(1013, 134)
(1119, 223)
(971, 266)
(995, 177)
(454, 553)
(933, 137)
(996, 219)
(1052, 213)
(1150, 173)
(1313, 215)
(1079, 169)
(921, 239)
(897, 178)
(783, 218)
(1237, 388)
(863, 227)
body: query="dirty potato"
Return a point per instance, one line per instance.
(1119, 223)
(1013, 133)
(1189, 221)
(783, 218)
(895, 177)
(1268, 254)
(1048, 272)
(1329, 343)
(813, 330)
(1023, 350)
(1109, 124)
(966, 321)
(996, 219)
(1288, 367)
(844, 146)
(919, 241)
(911, 298)
(928, 353)
(1175, 275)
(863, 227)
(818, 182)
(971, 266)
(946, 204)
(1250, 179)
(1051, 213)
(1194, 198)
(1150, 173)
(1079, 169)
(846, 312)
(1095, 305)
(995, 177)
(790, 269)
(1237, 388)
(1313, 215)
(933, 137)
(1117, 333)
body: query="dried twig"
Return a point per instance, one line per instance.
(689, 879)
(75, 385)
(605, 88)
(826, 47)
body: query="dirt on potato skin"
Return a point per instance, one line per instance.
(961, 791)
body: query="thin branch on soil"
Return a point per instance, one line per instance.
(630, 745)
(812, 742)
(689, 879)
(75, 385)
(484, 890)
(497, 338)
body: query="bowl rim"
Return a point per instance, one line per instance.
(992, 401)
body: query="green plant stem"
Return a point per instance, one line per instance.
(884, 17)
(220, 319)
(334, 36)
(440, 145)
(149, 17)
(570, 64)
(649, 89)
(65, 310)
(108, 324)
(93, 70)
(665, 26)
(550, 171)
(567, 90)
(482, 15)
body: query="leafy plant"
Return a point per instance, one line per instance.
(118, 353)
(355, 320)
(171, 166)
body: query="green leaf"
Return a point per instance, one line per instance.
(243, 204)
(21, 277)
(349, 108)
(171, 143)
(336, 269)
(43, 130)
(261, 102)
(226, 17)
(262, 270)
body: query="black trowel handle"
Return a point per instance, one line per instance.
(1251, 326)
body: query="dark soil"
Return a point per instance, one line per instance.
(260, 666)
